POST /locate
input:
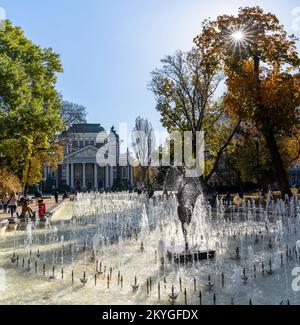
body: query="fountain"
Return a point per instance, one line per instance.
(173, 296)
(192, 213)
(127, 244)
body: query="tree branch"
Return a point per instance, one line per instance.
(219, 155)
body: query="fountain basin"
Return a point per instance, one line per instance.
(180, 255)
(3, 225)
(42, 222)
(12, 224)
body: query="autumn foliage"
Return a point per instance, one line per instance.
(8, 182)
(260, 67)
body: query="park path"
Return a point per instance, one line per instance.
(49, 201)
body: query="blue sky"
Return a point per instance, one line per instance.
(109, 47)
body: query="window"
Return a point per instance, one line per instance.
(114, 172)
(75, 144)
(86, 143)
(81, 144)
(92, 143)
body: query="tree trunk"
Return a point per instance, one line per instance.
(277, 163)
(25, 189)
(27, 179)
(148, 175)
(144, 174)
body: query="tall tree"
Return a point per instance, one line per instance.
(29, 105)
(250, 160)
(73, 113)
(185, 89)
(259, 59)
(143, 143)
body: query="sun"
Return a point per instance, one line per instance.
(238, 36)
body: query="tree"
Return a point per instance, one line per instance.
(258, 58)
(250, 160)
(143, 143)
(29, 105)
(8, 181)
(73, 113)
(185, 91)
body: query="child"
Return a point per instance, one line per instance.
(42, 209)
(25, 208)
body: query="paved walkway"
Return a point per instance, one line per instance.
(50, 204)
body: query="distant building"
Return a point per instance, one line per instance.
(80, 170)
(294, 176)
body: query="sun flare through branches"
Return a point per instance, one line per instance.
(240, 37)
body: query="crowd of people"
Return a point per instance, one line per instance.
(11, 202)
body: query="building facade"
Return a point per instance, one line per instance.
(294, 176)
(81, 170)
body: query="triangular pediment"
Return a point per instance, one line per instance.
(86, 152)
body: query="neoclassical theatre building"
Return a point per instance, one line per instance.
(80, 170)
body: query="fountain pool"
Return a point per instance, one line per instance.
(112, 248)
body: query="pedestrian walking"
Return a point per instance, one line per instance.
(56, 197)
(4, 201)
(12, 203)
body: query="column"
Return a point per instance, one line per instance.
(106, 177)
(111, 178)
(131, 175)
(83, 176)
(67, 175)
(72, 176)
(96, 176)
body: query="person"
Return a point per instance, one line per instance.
(5, 202)
(56, 197)
(42, 208)
(37, 194)
(12, 203)
(237, 199)
(228, 198)
(24, 202)
(65, 196)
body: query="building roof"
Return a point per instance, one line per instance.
(86, 128)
